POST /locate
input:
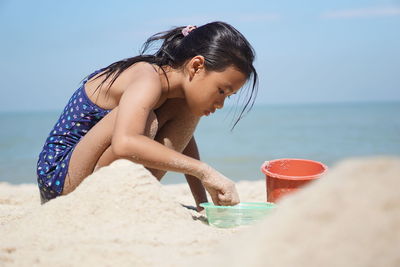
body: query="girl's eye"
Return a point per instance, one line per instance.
(221, 91)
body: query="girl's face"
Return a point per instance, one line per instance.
(206, 91)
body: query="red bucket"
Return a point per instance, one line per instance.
(285, 176)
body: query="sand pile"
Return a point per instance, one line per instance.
(349, 218)
(122, 216)
(17, 201)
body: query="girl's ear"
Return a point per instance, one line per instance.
(196, 66)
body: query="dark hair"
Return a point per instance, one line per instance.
(219, 43)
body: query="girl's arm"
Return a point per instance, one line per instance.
(129, 141)
(196, 186)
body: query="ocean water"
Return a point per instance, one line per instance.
(323, 132)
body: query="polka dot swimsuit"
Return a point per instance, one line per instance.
(78, 117)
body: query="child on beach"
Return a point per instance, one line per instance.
(146, 108)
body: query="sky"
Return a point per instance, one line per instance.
(306, 51)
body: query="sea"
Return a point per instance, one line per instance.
(327, 133)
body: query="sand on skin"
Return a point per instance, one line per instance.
(121, 215)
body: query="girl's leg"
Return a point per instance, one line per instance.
(175, 128)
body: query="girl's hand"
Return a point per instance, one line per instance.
(221, 189)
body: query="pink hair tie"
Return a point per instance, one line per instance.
(188, 29)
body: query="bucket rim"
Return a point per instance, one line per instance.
(287, 177)
(241, 205)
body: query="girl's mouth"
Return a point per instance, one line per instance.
(207, 112)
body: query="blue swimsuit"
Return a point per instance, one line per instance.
(78, 117)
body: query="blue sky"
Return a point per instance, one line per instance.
(307, 51)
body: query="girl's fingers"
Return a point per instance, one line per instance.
(225, 197)
(226, 200)
(215, 199)
(236, 200)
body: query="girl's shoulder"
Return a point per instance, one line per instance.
(138, 73)
(141, 74)
(145, 67)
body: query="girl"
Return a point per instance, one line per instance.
(146, 108)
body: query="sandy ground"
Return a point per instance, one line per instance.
(122, 216)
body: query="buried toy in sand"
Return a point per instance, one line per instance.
(244, 213)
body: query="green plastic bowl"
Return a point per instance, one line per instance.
(244, 213)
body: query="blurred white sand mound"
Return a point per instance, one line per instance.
(351, 217)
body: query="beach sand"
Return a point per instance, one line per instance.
(122, 216)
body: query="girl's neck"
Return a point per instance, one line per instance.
(175, 81)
